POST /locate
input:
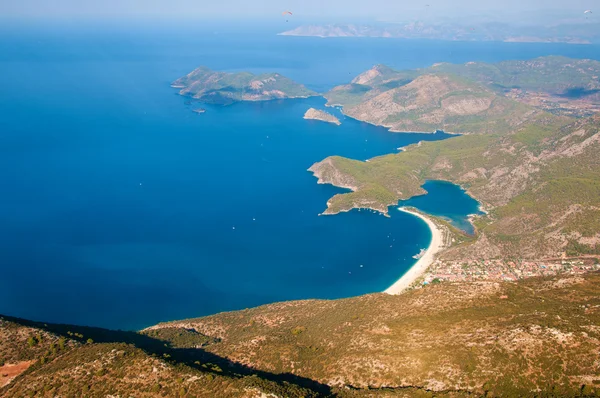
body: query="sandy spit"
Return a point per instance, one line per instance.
(419, 268)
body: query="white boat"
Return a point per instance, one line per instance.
(421, 254)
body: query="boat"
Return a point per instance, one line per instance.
(421, 254)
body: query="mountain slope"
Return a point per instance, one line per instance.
(501, 339)
(548, 83)
(551, 74)
(69, 360)
(537, 337)
(438, 101)
(539, 184)
(535, 172)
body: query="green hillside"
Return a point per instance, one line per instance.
(547, 175)
(431, 102)
(533, 338)
(510, 339)
(520, 162)
(467, 98)
(74, 361)
(552, 74)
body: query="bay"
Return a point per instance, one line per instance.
(121, 208)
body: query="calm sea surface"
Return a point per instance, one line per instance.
(446, 200)
(122, 208)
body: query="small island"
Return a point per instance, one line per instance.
(199, 110)
(222, 88)
(316, 114)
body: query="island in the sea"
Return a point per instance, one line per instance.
(199, 110)
(458, 31)
(224, 88)
(317, 114)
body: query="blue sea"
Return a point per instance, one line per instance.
(120, 207)
(448, 201)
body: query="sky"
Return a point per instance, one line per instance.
(321, 9)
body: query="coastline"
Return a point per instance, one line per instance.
(317, 114)
(419, 268)
(388, 128)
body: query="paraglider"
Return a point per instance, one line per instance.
(286, 13)
(587, 12)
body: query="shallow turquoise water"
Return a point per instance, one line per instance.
(121, 208)
(446, 200)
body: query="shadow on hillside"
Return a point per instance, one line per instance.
(578, 92)
(193, 357)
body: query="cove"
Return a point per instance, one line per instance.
(446, 200)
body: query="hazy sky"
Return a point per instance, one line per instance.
(334, 9)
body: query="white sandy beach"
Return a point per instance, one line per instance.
(437, 242)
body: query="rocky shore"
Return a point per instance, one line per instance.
(315, 114)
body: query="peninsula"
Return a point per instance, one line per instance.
(522, 159)
(224, 88)
(316, 114)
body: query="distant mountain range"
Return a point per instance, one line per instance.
(582, 33)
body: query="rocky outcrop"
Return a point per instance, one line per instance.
(316, 114)
(427, 103)
(327, 173)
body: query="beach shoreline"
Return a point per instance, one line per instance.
(419, 268)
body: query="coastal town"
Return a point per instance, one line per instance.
(507, 270)
(430, 268)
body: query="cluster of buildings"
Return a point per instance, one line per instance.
(506, 270)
